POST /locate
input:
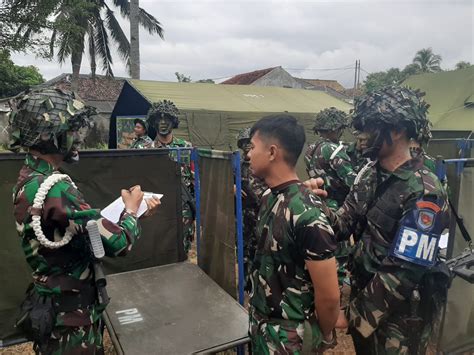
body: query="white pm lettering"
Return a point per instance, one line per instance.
(426, 247)
(409, 238)
(129, 316)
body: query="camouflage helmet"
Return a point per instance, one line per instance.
(41, 116)
(330, 119)
(394, 107)
(244, 134)
(164, 107)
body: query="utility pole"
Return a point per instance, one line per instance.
(355, 80)
(358, 77)
(134, 40)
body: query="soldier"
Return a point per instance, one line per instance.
(399, 210)
(252, 190)
(62, 312)
(142, 140)
(163, 117)
(355, 149)
(295, 296)
(328, 159)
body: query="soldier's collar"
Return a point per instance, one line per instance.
(281, 187)
(406, 170)
(38, 164)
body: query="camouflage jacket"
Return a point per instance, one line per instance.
(330, 162)
(254, 188)
(141, 143)
(357, 160)
(291, 229)
(376, 209)
(187, 171)
(59, 271)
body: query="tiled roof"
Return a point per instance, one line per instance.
(247, 78)
(101, 88)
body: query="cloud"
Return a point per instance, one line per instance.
(212, 39)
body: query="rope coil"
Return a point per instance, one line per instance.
(38, 203)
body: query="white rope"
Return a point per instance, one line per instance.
(38, 204)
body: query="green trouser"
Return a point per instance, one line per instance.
(282, 336)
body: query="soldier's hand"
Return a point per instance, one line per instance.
(152, 206)
(316, 185)
(132, 198)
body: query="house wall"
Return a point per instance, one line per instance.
(278, 77)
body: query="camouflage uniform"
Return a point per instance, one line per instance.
(142, 142)
(381, 207)
(291, 228)
(253, 188)
(166, 107)
(356, 158)
(330, 162)
(63, 275)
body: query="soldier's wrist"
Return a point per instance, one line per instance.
(130, 212)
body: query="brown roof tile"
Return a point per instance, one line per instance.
(247, 78)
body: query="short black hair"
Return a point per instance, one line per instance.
(141, 123)
(286, 129)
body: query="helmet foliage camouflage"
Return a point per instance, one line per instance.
(244, 134)
(330, 119)
(42, 116)
(394, 107)
(165, 107)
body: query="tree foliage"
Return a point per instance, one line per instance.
(182, 78)
(14, 78)
(78, 26)
(462, 65)
(427, 61)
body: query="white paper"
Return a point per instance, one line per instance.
(113, 211)
(443, 240)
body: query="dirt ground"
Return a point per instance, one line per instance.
(344, 346)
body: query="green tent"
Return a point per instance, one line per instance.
(211, 115)
(451, 96)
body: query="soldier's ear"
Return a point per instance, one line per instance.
(273, 152)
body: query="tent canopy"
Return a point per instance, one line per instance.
(451, 96)
(236, 98)
(211, 114)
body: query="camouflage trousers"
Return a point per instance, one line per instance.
(281, 336)
(391, 338)
(188, 227)
(81, 340)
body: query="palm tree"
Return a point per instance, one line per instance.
(462, 65)
(427, 61)
(80, 24)
(134, 40)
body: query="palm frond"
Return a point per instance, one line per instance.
(124, 6)
(101, 39)
(117, 35)
(147, 21)
(150, 23)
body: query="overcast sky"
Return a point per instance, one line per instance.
(215, 39)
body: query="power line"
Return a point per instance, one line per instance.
(350, 66)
